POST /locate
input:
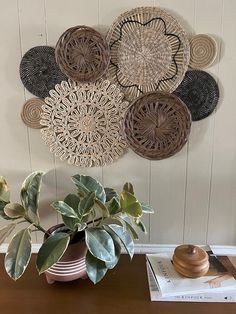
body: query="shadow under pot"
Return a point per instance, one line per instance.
(71, 265)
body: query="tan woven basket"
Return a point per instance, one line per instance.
(31, 112)
(149, 51)
(203, 51)
(82, 54)
(157, 125)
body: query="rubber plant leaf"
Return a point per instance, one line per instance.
(73, 201)
(127, 224)
(30, 191)
(117, 245)
(18, 254)
(4, 190)
(2, 214)
(140, 225)
(6, 231)
(64, 209)
(100, 244)
(147, 209)
(128, 187)
(87, 184)
(86, 204)
(130, 204)
(124, 237)
(110, 194)
(113, 206)
(52, 250)
(96, 269)
(14, 210)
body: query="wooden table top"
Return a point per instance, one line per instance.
(124, 290)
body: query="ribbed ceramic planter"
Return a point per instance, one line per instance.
(71, 265)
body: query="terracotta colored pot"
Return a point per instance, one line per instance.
(71, 265)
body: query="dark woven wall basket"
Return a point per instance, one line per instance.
(157, 125)
(39, 71)
(200, 92)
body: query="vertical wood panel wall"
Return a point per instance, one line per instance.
(193, 192)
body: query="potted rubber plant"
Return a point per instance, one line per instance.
(99, 219)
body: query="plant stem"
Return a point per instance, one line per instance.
(95, 220)
(27, 218)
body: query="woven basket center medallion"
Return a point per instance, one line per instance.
(144, 55)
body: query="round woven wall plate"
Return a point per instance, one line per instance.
(203, 51)
(82, 122)
(149, 51)
(31, 112)
(39, 72)
(157, 125)
(200, 92)
(82, 54)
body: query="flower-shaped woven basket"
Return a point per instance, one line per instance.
(157, 125)
(203, 51)
(39, 71)
(149, 51)
(82, 122)
(200, 92)
(82, 54)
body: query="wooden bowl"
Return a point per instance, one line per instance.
(190, 261)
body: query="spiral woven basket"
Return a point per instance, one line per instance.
(82, 54)
(203, 51)
(157, 125)
(31, 112)
(149, 51)
(200, 92)
(39, 71)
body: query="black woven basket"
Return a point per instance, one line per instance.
(39, 71)
(200, 92)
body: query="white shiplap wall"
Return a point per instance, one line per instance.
(193, 192)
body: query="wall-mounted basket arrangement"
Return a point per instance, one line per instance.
(146, 55)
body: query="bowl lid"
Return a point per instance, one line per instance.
(191, 254)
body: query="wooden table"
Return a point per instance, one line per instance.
(123, 290)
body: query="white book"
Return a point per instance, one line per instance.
(155, 295)
(171, 283)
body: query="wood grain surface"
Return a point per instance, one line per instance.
(123, 290)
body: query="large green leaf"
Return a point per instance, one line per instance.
(88, 184)
(52, 250)
(64, 209)
(2, 214)
(30, 191)
(18, 254)
(4, 190)
(14, 210)
(124, 236)
(130, 204)
(113, 206)
(111, 193)
(128, 187)
(117, 245)
(73, 201)
(5, 232)
(86, 204)
(147, 208)
(127, 224)
(98, 205)
(100, 244)
(96, 269)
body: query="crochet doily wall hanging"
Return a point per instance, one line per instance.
(39, 71)
(82, 122)
(149, 51)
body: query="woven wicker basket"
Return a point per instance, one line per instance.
(82, 54)
(157, 125)
(31, 112)
(149, 51)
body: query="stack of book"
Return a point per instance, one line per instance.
(218, 285)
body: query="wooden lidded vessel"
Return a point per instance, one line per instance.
(190, 261)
